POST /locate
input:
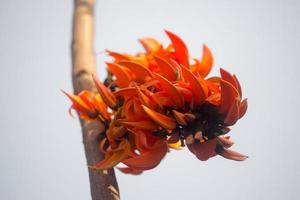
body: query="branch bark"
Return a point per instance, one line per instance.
(103, 184)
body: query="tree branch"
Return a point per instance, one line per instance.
(103, 184)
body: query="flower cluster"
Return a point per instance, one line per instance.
(161, 99)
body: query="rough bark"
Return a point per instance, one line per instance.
(103, 184)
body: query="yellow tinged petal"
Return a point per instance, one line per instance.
(77, 101)
(162, 120)
(176, 146)
(114, 157)
(151, 45)
(116, 55)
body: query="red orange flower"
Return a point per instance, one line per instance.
(160, 99)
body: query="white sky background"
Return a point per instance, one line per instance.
(41, 151)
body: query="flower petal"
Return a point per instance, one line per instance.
(122, 77)
(108, 98)
(231, 79)
(171, 91)
(181, 51)
(238, 86)
(141, 73)
(149, 159)
(204, 66)
(233, 114)
(243, 108)
(117, 56)
(144, 99)
(129, 170)
(114, 157)
(233, 155)
(162, 120)
(225, 141)
(204, 150)
(227, 77)
(78, 102)
(166, 69)
(143, 125)
(198, 86)
(180, 117)
(228, 96)
(151, 45)
(176, 145)
(125, 92)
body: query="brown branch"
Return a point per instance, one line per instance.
(103, 184)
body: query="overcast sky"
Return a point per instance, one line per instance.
(41, 152)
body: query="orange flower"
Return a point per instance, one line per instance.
(160, 99)
(89, 106)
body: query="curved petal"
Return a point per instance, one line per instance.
(149, 159)
(171, 91)
(151, 45)
(125, 92)
(166, 69)
(227, 77)
(117, 55)
(108, 98)
(180, 117)
(233, 155)
(114, 157)
(144, 99)
(225, 141)
(243, 108)
(199, 88)
(161, 98)
(122, 77)
(78, 103)
(141, 73)
(129, 170)
(231, 79)
(204, 66)
(186, 93)
(181, 51)
(176, 145)
(239, 88)
(228, 96)
(143, 125)
(204, 150)
(233, 114)
(162, 120)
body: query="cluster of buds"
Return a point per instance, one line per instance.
(161, 99)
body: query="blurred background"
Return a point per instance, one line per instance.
(41, 151)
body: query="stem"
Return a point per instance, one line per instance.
(103, 184)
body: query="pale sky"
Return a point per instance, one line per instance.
(41, 147)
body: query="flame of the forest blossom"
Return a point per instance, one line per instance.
(161, 99)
